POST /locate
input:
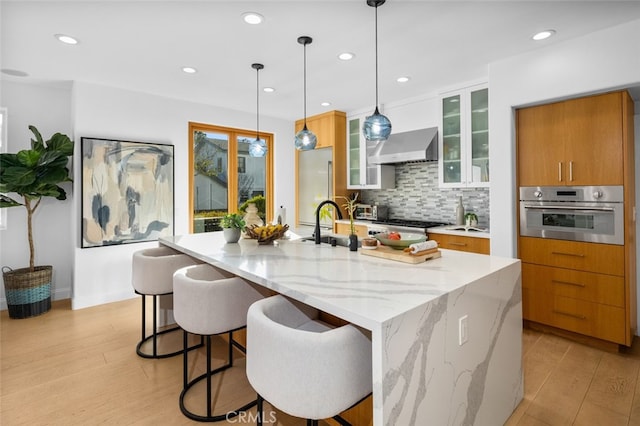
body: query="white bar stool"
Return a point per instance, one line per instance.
(152, 275)
(303, 366)
(207, 303)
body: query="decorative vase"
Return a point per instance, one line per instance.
(251, 218)
(353, 242)
(231, 235)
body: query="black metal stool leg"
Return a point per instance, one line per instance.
(155, 325)
(259, 412)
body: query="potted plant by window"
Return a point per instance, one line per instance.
(350, 207)
(232, 225)
(33, 174)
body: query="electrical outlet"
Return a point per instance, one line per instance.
(463, 330)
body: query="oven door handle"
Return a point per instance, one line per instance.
(582, 209)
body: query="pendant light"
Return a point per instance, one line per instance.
(257, 148)
(376, 127)
(305, 138)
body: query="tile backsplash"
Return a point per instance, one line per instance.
(417, 196)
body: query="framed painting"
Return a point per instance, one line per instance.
(127, 191)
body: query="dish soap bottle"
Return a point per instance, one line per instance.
(460, 212)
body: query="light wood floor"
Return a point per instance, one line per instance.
(80, 368)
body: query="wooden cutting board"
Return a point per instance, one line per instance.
(399, 255)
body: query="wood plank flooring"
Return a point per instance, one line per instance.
(80, 368)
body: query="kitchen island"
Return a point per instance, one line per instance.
(421, 373)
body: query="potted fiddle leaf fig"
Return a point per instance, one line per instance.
(32, 174)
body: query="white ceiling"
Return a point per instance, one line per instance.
(142, 45)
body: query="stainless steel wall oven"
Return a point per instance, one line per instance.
(579, 213)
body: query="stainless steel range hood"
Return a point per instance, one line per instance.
(416, 145)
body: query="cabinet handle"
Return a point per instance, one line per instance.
(559, 171)
(569, 314)
(568, 283)
(567, 254)
(453, 243)
(570, 171)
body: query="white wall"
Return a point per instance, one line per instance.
(102, 274)
(47, 107)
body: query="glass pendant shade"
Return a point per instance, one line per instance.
(257, 148)
(305, 139)
(376, 127)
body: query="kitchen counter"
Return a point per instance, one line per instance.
(453, 230)
(421, 375)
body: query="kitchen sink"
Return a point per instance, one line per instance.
(328, 239)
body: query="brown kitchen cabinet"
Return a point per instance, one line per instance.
(362, 231)
(461, 243)
(576, 286)
(574, 142)
(580, 287)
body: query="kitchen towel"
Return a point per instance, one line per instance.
(425, 245)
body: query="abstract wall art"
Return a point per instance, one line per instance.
(127, 192)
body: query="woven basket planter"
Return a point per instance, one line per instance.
(28, 293)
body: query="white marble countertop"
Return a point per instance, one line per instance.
(421, 372)
(455, 230)
(365, 290)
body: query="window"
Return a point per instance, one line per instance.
(223, 176)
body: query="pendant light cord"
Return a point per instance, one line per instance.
(257, 104)
(305, 85)
(376, 8)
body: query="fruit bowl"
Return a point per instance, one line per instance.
(406, 239)
(266, 234)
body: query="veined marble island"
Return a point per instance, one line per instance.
(421, 374)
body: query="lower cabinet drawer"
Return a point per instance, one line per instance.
(588, 318)
(588, 286)
(592, 257)
(460, 243)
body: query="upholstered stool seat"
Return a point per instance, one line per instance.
(152, 275)
(206, 302)
(303, 366)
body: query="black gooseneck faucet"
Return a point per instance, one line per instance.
(317, 231)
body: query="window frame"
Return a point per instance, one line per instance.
(234, 135)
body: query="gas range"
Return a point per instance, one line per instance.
(401, 225)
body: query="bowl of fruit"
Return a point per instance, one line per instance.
(400, 240)
(266, 234)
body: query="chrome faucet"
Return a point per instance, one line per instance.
(316, 233)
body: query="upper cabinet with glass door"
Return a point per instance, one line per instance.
(464, 140)
(360, 173)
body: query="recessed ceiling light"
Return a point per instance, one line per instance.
(252, 18)
(15, 73)
(189, 70)
(346, 56)
(66, 39)
(269, 89)
(325, 104)
(403, 79)
(543, 35)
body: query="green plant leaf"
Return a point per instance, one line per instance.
(28, 157)
(61, 144)
(37, 144)
(8, 202)
(16, 177)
